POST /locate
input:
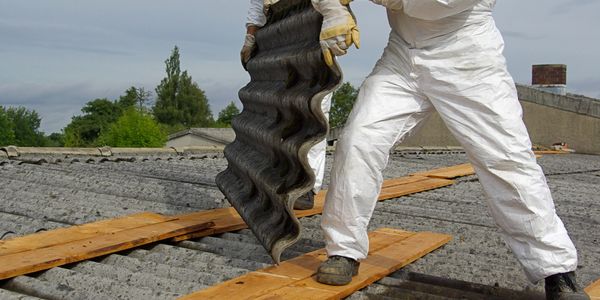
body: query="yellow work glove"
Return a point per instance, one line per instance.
(339, 29)
(247, 49)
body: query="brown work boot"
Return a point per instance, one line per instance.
(337, 270)
(306, 201)
(563, 286)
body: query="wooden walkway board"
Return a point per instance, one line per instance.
(448, 172)
(74, 233)
(392, 188)
(593, 290)
(33, 260)
(53, 248)
(390, 250)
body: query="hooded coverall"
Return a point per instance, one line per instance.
(446, 55)
(316, 154)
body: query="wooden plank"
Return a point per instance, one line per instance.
(69, 234)
(16, 264)
(82, 242)
(402, 181)
(448, 172)
(230, 220)
(415, 187)
(225, 220)
(593, 290)
(383, 262)
(389, 250)
(392, 188)
(304, 266)
(298, 292)
(246, 287)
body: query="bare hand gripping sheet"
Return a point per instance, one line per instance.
(281, 120)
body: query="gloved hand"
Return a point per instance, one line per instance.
(339, 29)
(247, 49)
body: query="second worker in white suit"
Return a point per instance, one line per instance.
(442, 55)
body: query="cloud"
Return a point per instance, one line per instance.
(522, 35)
(62, 54)
(588, 87)
(569, 6)
(27, 34)
(56, 103)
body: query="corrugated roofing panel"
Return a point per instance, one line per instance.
(281, 120)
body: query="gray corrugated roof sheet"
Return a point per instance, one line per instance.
(42, 196)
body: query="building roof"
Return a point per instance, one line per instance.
(41, 192)
(222, 136)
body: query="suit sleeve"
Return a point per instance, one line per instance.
(256, 14)
(429, 9)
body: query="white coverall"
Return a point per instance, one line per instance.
(446, 55)
(316, 155)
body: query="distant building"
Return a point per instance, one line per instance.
(215, 137)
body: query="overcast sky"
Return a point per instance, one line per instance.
(57, 55)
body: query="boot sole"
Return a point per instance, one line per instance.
(333, 279)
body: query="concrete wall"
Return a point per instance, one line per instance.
(549, 125)
(550, 118)
(546, 126)
(432, 133)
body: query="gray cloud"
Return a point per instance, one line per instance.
(522, 35)
(57, 55)
(571, 5)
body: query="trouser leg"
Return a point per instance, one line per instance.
(316, 154)
(486, 117)
(385, 111)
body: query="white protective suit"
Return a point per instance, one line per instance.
(316, 155)
(446, 55)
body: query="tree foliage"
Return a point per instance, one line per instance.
(7, 132)
(98, 115)
(134, 128)
(179, 100)
(20, 127)
(342, 103)
(134, 97)
(226, 115)
(55, 139)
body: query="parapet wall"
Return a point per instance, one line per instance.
(550, 118)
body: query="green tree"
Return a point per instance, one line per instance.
(25, 124)
(134, 128)
(227, 114)
(343, 101)
(55, 140)
(179, 99)
(98, 115)
(134, 96)
(7, 133)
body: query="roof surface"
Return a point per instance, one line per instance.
(62, 191)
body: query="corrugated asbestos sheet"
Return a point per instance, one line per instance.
(281, 120)
(45, 192)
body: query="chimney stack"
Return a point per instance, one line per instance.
(550, 78)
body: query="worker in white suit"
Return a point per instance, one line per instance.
(316, 155)
(442, 55)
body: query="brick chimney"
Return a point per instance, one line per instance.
(550, 78)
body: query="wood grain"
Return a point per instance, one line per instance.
(389, 250)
